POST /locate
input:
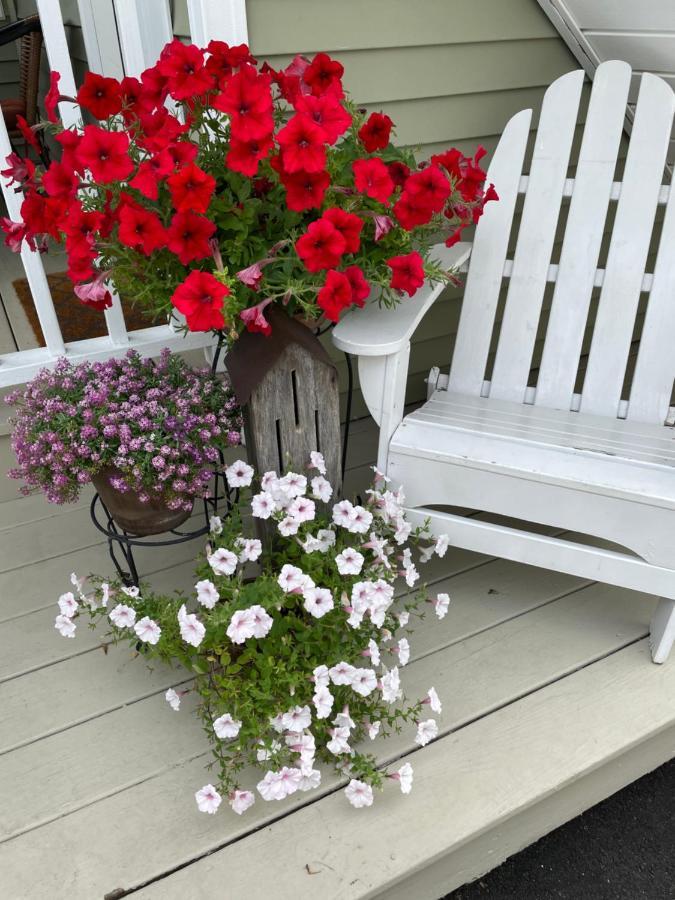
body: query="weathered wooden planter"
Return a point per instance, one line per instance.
(134, 517)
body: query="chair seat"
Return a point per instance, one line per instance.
(11, 108)
(609, 456)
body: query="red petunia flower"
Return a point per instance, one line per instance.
(371, 177)
(136, 101)
(327, 112)
(140, 229)
(410, 213)
(335, 295)
(429, 188)
(81, 259)
(191, 188)
(94, 293)
(105, 154)
(223, 60)
(254, 318)
(150, 171)
(359, 284)
(101, 96)
(200, 299)
(154, 86)
(44, 215)
(59, 181)
(451, 161)
(348, 224)
(29, 134)
(290, 80)
(305, 190)
(18, 170)
(188, 236)
(456, 236)
(247, 100)
(398, 172)
(15, 232)
(324, 74)
(183, 68)
(407, 272)
(245, 156)
(321, 246)
(374, 133)
(159, 129)
(70, 141)
(81, 225)
(302, 144)
(182, 152)
(52, 96)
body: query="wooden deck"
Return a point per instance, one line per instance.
(550, 704)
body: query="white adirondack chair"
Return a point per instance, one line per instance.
(588, 462)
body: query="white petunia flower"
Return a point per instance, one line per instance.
(208, 799)
(363, 681)
(339, 742)
(403, 618)
(292, 580)
(297, 719)
(320, 676)
(403, 530)
(68, 605)
(362, 592)
(403, 651)
(207, 593)
(263, 754)
(373, 652)
(442, 543)
(241, 626)
(391, 685)
(374, 730)
(223, 561)
(359, 793)
(341, 673)
(270, 787)
(292, 484)
(360, 520)
(323, 701)
(441, 604)
(76, 582)
(239, 474)
(434, 701)
(411, 575)
(122, 616)
(269, 481)
(288, 526)
(404, 776)
(318, 601)
(317, 462)
(276, 723)
(191, 629)
(426, 731)
(65, 626)
(263, 505)
(342, 513)
(240, 801)
(215, 525)
(148, 630)
(172, 697)
(349, 562)
(131, 591)
(105, 594)
(226, 727)
(321, 489)
(302, 509)
(249, 549)
(310, 780)
(326, 537)
(261, 621)
(344, 720)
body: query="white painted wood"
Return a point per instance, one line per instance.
(221, 20)
(536, 236)
(662, 630)
(143, 28)
(627, 258)
(623, 15)
(576, 273)
(58, 55)
(99, 32)
(484, 280)
(651, 52)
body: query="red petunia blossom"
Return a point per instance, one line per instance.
(252, 275)
(135, 99)
(188, 236)
(60, 181)
(410, 213)
(94, 293)
(324, 74)
(290, 80)
(182, 152)
(302, 144)
(407, 272)
(223, 60)
(305, 190)
(200, 299)
(150, 171)
(44, 215)
(456, 236)
(100, 96)
(429, 188)
(254, 318)
(52, 97)
(321, 246)
(81, 259)
(183, 68)
(155, 88)
(246, 156)
(348, 224)
(359, 284)
(451, 161)
(335, 295)
(191, 188)
(81, 225)
(383, 225)
(374, 133)
(159, 129)
(18, 170)
(371, 177)
(140, 229)
(398, 172)
(70, 141)
(29, 134)
(247, 100)
(327, 112)
(15, 232)
(105, 154)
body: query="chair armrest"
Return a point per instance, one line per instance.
(378, 331)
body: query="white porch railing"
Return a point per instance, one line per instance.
(143, 27)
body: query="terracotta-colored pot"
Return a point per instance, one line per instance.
(130, 514)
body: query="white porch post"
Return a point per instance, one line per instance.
(222, 20)
(143, 28)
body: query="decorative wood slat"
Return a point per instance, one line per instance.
(629, 247)
(215, 20)
(536, 237)
(481, 295)
(584, 231)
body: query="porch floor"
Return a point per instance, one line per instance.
(550, 704)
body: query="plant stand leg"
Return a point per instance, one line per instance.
(662, 630)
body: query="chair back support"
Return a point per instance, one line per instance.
(621, 282)
(30, 55)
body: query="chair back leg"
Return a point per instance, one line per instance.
(662, 630)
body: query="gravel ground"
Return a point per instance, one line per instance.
(621, 849)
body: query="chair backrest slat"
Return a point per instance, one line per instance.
(576, 271)
(541, 210)
(481, 294)
(629, 247)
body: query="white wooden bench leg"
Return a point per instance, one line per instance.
(662, 630)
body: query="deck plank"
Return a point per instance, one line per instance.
(129, 747)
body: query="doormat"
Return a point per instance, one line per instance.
(78, 322)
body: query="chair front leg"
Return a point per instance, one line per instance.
(383, 383)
